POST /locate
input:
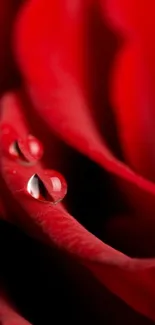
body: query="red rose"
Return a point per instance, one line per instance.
(77, 88)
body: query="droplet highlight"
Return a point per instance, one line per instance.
(34, 147)
(15, 151)
(37, 189)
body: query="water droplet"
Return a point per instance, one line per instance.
(27, 150)
(53, 189)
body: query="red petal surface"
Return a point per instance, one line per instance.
(52, 39)
(57, 87)
(132, 276)
(70, 286)
(58, 92)
(132, 81)
(8, 314)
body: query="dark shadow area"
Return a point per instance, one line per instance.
(101, 46)
(50, 287)
(93, 197)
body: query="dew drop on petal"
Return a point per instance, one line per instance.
(27, 151)
(54, 190)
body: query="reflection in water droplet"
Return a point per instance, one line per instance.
(35, 147)
(34, 186)
(57, 187)
(15, 151)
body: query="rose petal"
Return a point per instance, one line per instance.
(132, 81)
(52, 273)
(77, 128)
(58, 95)
(125, 277)
(128, 16)
(132, 97)
(8, 314)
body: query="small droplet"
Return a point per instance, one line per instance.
(27, 150)
(53, 189)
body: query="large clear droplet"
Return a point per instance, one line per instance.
(54, 191)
